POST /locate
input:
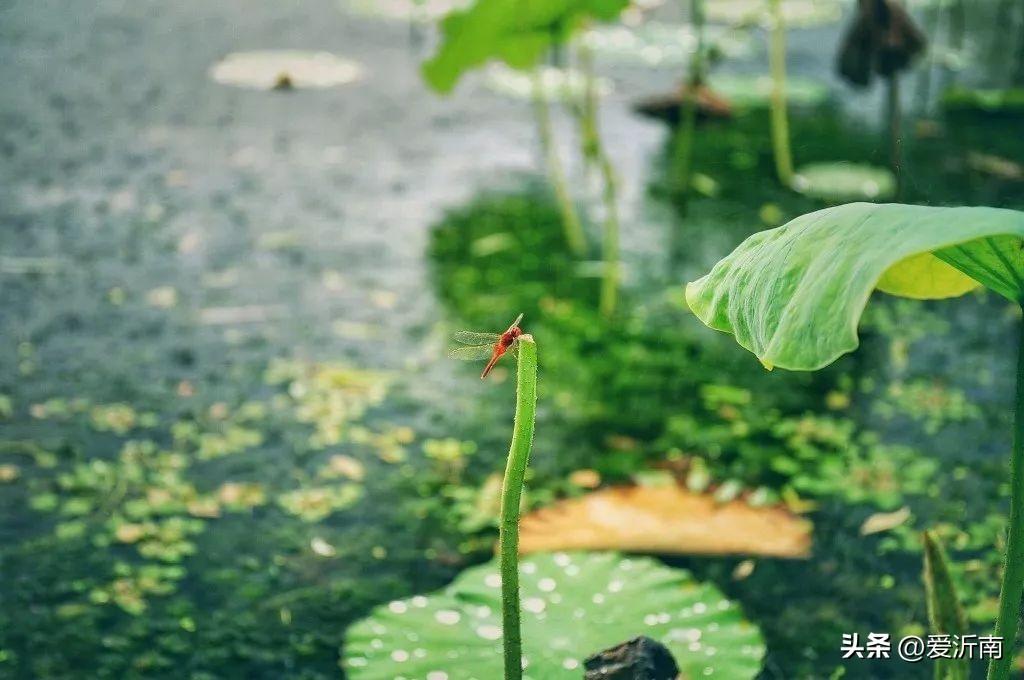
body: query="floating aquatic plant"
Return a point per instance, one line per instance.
(313, 504)
(842, 182)
(575, 604)
(284, 69)
(755, 92)
(794, 296)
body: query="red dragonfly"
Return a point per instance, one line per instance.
(479, 346)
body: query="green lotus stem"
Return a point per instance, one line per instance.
(895, 134)
(1018, 77)
(1013, 568)
(574, 236)
(610, 239)
(586, 113)
(594, 151)
(924, 78)
(684, 140)
(780, 120)
(511, 494)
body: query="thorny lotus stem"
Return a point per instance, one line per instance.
(570, 219)
(689, 105)
(511, 493)
(594, 151)
(1013, 567)
(780, 120)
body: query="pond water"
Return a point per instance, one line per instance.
(227, 425)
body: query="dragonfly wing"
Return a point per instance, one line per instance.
(471, 352)
(470, 338)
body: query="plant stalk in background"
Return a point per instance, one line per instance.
(1013, 568)
(780, 117)
(688, 114)
(594, 153)
(574, 235)
(895, 131)
(511, 495)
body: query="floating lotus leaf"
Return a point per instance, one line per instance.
(795, 13)
(842, 182)
(794, 295)
(752, 92)
(574, 604)
(557, 84)
(516, 32)
(1009, 101)
(655, 43)
(664, 520)
(284, 69)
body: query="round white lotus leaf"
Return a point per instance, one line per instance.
(284, 69)
(844, 182)
(573, 605)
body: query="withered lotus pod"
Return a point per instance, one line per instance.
(883, 39)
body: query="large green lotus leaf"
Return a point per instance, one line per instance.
(996, 261)
(925, 277)
(517, 32)
(750, 92)
(794, 295)
(1010, 101)
(574, 604)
